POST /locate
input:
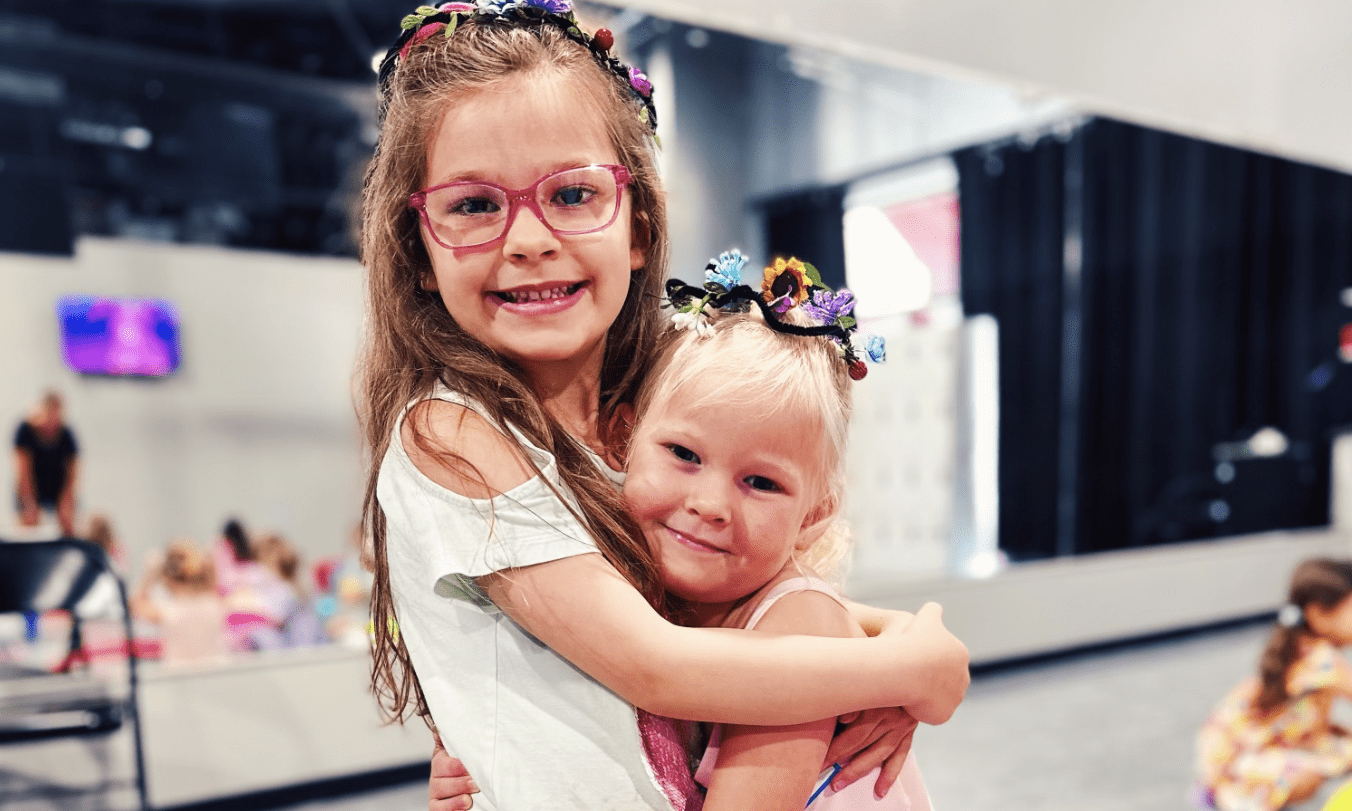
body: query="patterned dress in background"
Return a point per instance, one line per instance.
(1251, 762)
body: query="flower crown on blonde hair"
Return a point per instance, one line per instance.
(428, 21)
(787, 284)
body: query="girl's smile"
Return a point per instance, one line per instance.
(722, 493)
(537, 297)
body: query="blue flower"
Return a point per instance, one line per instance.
(726, 270)
(876, 348)
(827, 307)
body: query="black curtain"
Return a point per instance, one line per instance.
(808, 225)
(1208, 307)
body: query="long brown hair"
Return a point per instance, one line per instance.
(412, 342)
(1322, 582)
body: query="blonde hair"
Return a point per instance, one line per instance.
(412, 342)
(743, 361)
(188, 568)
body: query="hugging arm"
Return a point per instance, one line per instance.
(583, 609)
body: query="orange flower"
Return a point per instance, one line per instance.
(785, 285)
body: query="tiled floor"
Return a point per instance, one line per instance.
(1108, 731)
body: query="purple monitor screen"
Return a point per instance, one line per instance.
(109, 336)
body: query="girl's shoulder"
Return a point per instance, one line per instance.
(450, 440)
(803, 605)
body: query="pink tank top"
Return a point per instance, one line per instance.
(907, 794)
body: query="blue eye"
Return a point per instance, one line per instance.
(572, 196)
(763, 484)
(471, 206)
(683, 453)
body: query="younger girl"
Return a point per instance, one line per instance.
(515, 241)
(736, 476)
(1270, 742)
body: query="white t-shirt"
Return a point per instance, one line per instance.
(534, 731)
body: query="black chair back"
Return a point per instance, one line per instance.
(48, 575)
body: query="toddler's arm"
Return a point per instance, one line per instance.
(775, 768)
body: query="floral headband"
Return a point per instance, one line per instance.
(428, 21)
(788, 283)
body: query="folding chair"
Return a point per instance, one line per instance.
(36, 704)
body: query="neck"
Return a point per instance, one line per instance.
(571, 393)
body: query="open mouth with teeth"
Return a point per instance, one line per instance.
(523, 296)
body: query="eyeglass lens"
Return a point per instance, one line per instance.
(572, 201)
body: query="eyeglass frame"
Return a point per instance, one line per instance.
(516, 198)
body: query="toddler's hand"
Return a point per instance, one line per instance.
(943, 678)
(870, 739)
(450, 786)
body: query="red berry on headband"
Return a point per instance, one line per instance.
(857, 369)
(603, 39)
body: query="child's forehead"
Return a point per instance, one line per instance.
(717, 402)
(521, 116)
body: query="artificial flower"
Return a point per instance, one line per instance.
(640, 82)
(693, 319)
(554, 6)
(876, 348)
(457, 8)
(785, 285)
(726, 270)
(828, 308)
(421, 34)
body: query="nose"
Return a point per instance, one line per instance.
(527, 236)
(708, 499)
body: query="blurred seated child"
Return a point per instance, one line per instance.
(1270, 743)
(282, 598)
(178, 593)
(346, 604)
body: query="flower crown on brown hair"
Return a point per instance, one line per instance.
(428, 21)
(787, 283)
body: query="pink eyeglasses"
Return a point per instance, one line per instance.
(469, 214)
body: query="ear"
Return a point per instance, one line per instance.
(1318, 618)
(819, 512)
(640, 240)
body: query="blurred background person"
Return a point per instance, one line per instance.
(283, 600)
(232, 554)
(1272, 743)
(45, 458)
(178, 593)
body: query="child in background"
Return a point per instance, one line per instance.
(514, 236)
(282, 598)
(178, 593)
(1270, 743)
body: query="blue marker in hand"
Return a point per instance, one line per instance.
(835, 770)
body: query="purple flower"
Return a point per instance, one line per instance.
(827, 307)
(640, 82)
(555, 6)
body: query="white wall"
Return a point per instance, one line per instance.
(257, 422)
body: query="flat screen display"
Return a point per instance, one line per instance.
(133, 337)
